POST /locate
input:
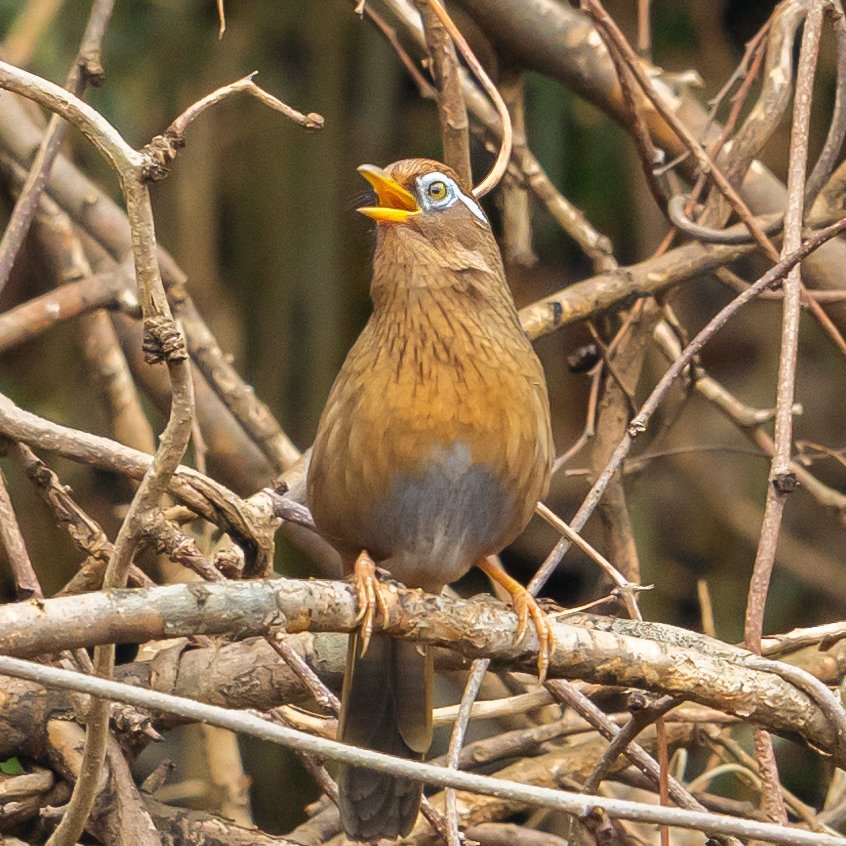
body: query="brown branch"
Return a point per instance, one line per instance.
(734, 750)
(424, 87)
(86, 69)
(504, 154)
(616, 288)
(86, 533)
(248, 675)
(26, 582)
(452, 111)
(781, 481)
(702, 670)
(26, 321)
(515, 199)
(640, 422)
(650, 156)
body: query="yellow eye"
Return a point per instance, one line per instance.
(437, 190)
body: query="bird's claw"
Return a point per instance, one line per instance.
(525, 606)
(370, 599)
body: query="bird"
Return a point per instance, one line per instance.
(430, 455)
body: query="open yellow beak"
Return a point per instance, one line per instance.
(396, 204)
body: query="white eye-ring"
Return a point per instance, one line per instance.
(438, 192)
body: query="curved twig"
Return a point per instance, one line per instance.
(827, 158)
(501, 163)
(679, 219)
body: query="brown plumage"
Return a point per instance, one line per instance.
(430, 455)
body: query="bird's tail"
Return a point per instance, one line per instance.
(387, 707)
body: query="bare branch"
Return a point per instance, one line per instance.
(639, 423)
(86, 69)
(572, 803)
(26, 582)
(601, 651)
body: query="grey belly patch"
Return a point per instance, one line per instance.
(442, 520)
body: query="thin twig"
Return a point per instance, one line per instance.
(246, 85)
(501, 163)
(638, 721)
(26, 582)
(781, 481)
(456, 741)
(644, 30)
(572, 803)
(650, 156)
(86, 68)
(590, 421)
(640, 422)
(424, 87)
(452, 110)
(626, 589)
(86, 533)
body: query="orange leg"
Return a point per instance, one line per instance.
(370, 598)
(525, 605)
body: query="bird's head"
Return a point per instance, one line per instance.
(431, 234)
(423, 194)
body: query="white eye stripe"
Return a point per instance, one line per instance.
(455, 193)
(472, 205)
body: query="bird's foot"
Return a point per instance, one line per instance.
(525, 606)
(370, 597)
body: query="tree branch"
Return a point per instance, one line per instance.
(619, 653)
(572, 803)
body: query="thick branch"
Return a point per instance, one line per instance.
(677, 663)
(572, 803)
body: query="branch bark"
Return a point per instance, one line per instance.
(666, 660)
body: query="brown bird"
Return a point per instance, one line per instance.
(431, 453)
